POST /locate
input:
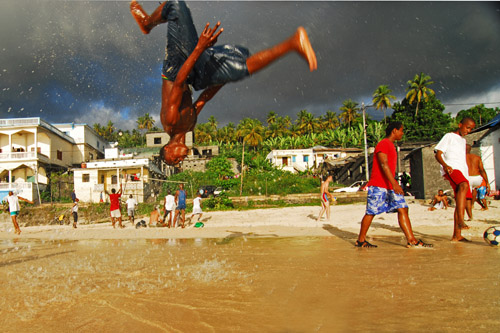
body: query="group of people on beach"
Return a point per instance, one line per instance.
(385, 195)
(171, 214)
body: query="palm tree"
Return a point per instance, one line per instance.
(306, 122)
(349, 110)
(251, 131)
(382, 98)
(417, 89)
(145, 122)
(271, 118)
(330, 121)
(212, 122)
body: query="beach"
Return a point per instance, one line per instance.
(263, 270)
(275, 222)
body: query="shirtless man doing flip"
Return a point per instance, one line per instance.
(195, 62)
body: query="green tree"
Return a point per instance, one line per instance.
(251, 131)
(306, 122)
(145, 122)
(418, 90)
(330, 121)
(271, 118)
(430, 124)
(479, 113)
(382, 98)
(350, 111)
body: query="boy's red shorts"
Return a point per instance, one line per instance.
(455, 178)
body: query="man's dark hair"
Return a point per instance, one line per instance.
(113, 190)
(392, 125)
(466, 119)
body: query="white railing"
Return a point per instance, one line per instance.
(16, 186)
(18, 156)
(20, 121)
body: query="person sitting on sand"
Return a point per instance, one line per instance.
(440, 201)
(325, 203)
(385, 195)
(450, 153)
(155, 218)
(192, 61)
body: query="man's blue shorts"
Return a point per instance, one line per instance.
(381, 200)
(481, 192)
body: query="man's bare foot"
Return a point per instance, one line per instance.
(463, 226)
(140, 16)
(18, 231)
(461, 239)
(484, 208)
(305, 49)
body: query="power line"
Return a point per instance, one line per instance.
(469, 103)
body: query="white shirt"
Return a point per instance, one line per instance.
(169, 202)
(197, 205)
(75, 208)
(13, 203)
(131, 203)
(453, 147)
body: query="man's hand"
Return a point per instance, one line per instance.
(397, 189)
(209, 36)
(448, 169)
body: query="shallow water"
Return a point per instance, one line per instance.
(247, 283)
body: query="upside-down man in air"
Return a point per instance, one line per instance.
(195, 62)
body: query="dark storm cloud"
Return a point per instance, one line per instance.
(88, 62)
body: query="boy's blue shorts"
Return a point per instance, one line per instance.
(381, 200)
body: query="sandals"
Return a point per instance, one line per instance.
(419, 243)
(364, 244)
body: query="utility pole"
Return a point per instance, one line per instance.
(363, 108)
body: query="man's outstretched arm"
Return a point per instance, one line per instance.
(207, 38)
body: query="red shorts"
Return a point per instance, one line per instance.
(455, 178)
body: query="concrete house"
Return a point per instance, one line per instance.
(295, 160)
(140, 177)
(31, 148)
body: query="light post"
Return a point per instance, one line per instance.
(367, 174)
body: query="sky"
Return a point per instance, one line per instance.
(87, 61)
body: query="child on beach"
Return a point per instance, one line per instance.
(169, 208)
(74, 211)
(14, 209)
(131, 205)
(325, 204)
(197, 208)
(385, 195)
(450, 152)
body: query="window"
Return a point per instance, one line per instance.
(102, 179)
(114, 179)
(284, 160)
(294, 158)
(91, 156)
(85, 178)
(306, 158)
(157, 141)
(59, 155)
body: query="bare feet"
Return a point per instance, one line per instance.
(462, 239)
(140, 16)
(463, 226)
(305, 49)
(18, 231)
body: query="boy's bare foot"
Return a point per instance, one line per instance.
(463, 226)
(305, 49)
(140, 16)
(462, 239)
(18, 231)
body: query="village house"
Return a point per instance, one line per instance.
(140, 177)
(298, 160)
(31, 148)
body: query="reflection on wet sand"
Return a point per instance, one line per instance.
(247, 283)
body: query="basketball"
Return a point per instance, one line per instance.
(492, 236)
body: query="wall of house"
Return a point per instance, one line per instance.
(432, 175)
(490, 154)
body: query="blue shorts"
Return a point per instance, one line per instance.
(217, 65)
(181, 206)
(14, 213)
(481, 192)
(381, 200)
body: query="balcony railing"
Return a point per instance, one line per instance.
(15, 156)
(16, 186)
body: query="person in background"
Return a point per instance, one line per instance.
(325, 203)
(74, 211)
(169, 204)
(180, 201)
(14, 208)
(114, 207)
(131, 206)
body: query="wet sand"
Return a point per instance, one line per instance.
(252, 277)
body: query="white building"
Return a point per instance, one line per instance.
(140, 177)
(30, 148)
(489, 145)
(295, 160)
